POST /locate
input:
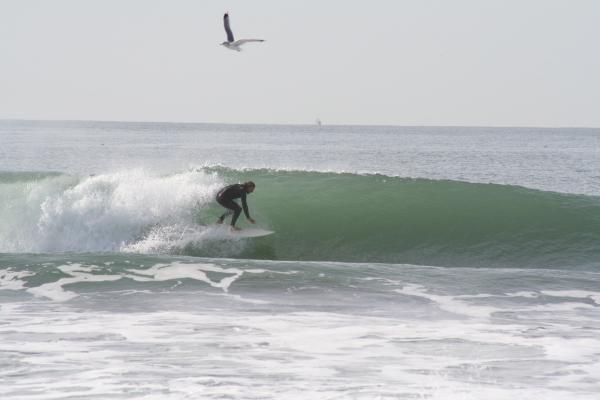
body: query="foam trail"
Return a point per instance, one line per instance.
(78, 273)
(13, 280)
(177, 270)
(161, 272)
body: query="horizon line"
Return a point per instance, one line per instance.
(382, 125)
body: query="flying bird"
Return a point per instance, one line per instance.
(231, 43)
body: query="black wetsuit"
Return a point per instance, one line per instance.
(225, 198)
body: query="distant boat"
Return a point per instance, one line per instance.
(318, 122)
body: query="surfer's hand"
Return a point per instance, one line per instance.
(251, 220)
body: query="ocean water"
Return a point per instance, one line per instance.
(407, 263)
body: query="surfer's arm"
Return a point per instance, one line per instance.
(245, 207)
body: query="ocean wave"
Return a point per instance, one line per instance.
(316, 216)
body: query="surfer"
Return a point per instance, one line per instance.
(226, 196)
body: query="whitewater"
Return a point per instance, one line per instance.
(408, 262)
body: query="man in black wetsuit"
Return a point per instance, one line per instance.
(225, 198)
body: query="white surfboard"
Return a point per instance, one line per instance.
(225, 231)
(251, 232)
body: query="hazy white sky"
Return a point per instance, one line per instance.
(400, 62)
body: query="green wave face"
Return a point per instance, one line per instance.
(346, 217)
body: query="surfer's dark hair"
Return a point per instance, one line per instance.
(249, 184)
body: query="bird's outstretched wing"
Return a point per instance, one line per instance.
(227, 28)
(242, 41)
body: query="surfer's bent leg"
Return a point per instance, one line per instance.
(223, 202)
(222, 217)
(232, 208)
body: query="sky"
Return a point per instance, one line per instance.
(379, 62)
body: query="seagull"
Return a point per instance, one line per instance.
(231, 43)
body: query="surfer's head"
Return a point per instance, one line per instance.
(249, 186)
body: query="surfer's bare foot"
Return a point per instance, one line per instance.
(220, 221)
(235, 228)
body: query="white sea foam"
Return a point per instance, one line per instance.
(197, 271)
(448, 303)
(13, 280)
(287, 355)
(78, 273)
(499, 345)
(167, 237)
(105, 212)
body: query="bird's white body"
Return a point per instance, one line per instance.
(238, 43)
